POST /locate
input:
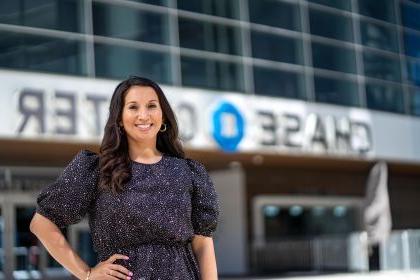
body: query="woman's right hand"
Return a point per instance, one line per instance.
(108, 270)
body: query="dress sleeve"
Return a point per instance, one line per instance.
(67, 200)
(204, 200)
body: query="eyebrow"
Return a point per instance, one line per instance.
(154, 100)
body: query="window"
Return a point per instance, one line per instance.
(211, 74)
(333, 58)
(153, 2)
(335, 91)
(415, 101)
(411, 44)
(221, 8)
(209, 36)
(381, 67)
(410, 16)
(40, 53)
(378, 36)
(274, 13)
(276, 47)
(64, 15)
(385, 98)
(128, 23)
(385, 10)
(330, 25)
(277, 83)
(338, 4)
(413, 72)
(118, 62)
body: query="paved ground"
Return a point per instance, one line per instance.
(397, 275)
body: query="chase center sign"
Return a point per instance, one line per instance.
(38, 106)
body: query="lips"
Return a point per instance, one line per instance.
(144, 127)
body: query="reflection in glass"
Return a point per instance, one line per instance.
(309, 221)
(335, 91)
(378, 36)
(275, 47)
(330, 25)
(40, 53)
(119, 62)
(220, 8)
(333, 58)
(275, 13)
(26, 247)
(277, 83)
(128, 23)
(385, 98)
(64, 15)
(381, 67)
(415, 101)
(413, 72)
(411, 44)
(211, 74)
(339, 4)
(385, 11)
(410, 16)
(209, 36)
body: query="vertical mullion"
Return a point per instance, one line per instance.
(359, 55)
(307, 51)
(247, 65)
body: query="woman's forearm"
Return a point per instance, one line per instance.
(203, 249)
(58, 247)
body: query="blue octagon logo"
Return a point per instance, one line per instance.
(228, 126)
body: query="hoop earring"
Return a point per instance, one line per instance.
(164, 129)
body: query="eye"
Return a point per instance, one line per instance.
(132, 107)
(152, 105)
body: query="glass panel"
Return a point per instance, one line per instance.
(378, 36)
(119, 62)
(339, 4)
(334, 91)
(116, 21)
(209, 36)
(381, 67)
(1, 242)
(385, 98)
(221, 8)
(330, 25)
(153, 2)
(298, 221)
(51, 14)
(415, 101)
(279, 83)
(39, 53)
(333, 58)
(85, 247)
(26, 247)
(274, 13)
(212, 74)
(410, 16)
(413, 72)
(278, 48)
(385, 11)
(411, 44)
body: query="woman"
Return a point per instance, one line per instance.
(151, 211)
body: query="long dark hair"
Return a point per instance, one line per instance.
(114, 161)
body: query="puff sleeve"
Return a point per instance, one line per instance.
(67, 200)
(204, 200)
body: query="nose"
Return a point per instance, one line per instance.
(142, 114)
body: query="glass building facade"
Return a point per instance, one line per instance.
(358, 53)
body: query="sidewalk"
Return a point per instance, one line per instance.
(393, 275)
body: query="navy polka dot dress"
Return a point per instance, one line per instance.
(152, 220)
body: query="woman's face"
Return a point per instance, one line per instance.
(142, 114)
